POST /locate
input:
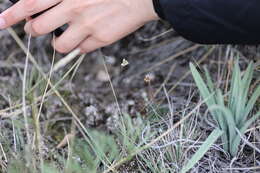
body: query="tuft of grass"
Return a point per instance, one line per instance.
(81, 156)
(233, 113)
(92, 158)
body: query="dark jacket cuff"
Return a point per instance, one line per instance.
(213, 21)
(158, 9)
(175, 12)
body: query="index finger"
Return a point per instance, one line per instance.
(23, 9)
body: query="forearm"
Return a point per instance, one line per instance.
(213, 21)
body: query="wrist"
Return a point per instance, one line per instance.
(145, 9)
(158, 9)
(151, 13)
(151, 10)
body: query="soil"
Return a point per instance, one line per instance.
(89, 92)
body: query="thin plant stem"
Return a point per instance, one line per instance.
(24, 92)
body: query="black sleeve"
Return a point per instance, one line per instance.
(213, 21)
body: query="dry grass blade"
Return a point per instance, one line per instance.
(190, 49)
(64, 61)
(65, 140)
(202, 150)
(24, 93)
(110, 82)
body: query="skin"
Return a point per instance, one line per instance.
(92, 23)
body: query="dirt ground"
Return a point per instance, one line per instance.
(153, 60)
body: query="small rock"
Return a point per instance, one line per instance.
(110, 60)
(113, 122)
(102, 76)
(93, 116)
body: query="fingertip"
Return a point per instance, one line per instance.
(7, 18)
(27, 27)
(2, 23)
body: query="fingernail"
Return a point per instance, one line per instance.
(27, 27)
(2, 23)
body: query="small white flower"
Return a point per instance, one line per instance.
(124, 63)
(149, 77)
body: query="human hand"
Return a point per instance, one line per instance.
(92, 23)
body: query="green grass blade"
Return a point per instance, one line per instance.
(222, 120)
(245, 85)
(249, 122)
(231, 126)
(231, 87)
(235, 88)
(251, 102)
(199, 81)
(48, 168)
(240, 106)
(209, 81)
(246, 81)
(242, 130)
(247, 78)
(202, 150)
(204, 91)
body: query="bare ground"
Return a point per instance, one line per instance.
(152, 62)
